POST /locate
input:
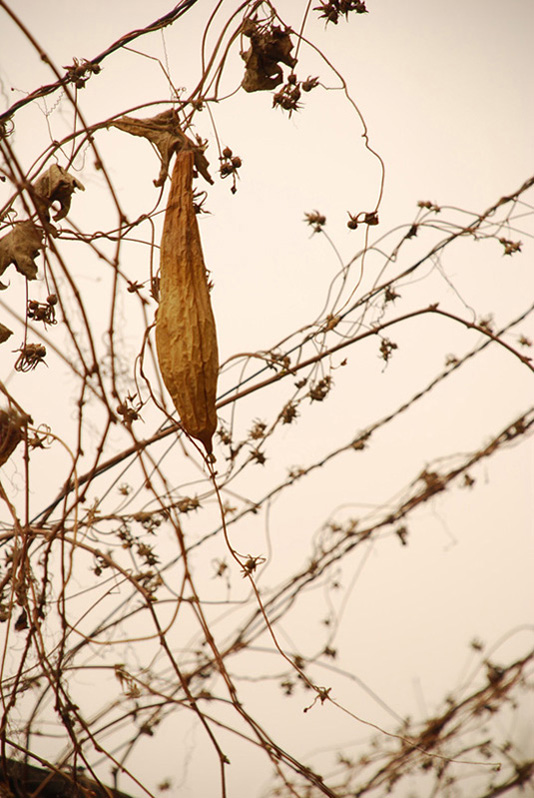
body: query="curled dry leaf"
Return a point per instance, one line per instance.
(56, 185)
(186, 336)
(166, 135)
(268, 48)
(20, 247)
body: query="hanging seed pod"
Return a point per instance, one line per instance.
(186, 337)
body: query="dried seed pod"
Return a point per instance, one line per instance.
(186, 337)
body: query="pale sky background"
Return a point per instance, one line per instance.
(446, 93)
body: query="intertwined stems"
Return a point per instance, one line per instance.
(133, 580)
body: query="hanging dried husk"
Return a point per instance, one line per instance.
(186, 337)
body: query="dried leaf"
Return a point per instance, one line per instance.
(186, 336)
(268, 48)
(5, 333)
(20, 247)
(260, 74)
(57, 185)
(12, 426)
(165, 133)
(22, 621)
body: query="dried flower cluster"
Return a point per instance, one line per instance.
(332, 10)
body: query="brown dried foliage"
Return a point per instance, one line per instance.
(20, 247)
(270, 46)
(12, 425)
(56, 185)
(165, 133)
(120, 565)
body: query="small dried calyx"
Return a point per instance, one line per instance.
(364, 217)
(270, 46)
(316, 220)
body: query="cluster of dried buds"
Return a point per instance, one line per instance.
(230, 163)
(43, 311)
(129, 410)
(386, 349)
(316, 220)
(429, 206)
(320, 390)
(80, 72)
(331, 11)
(289, 95)
(289, 413)
(30, 357)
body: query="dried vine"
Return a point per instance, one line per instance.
(127, 559)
